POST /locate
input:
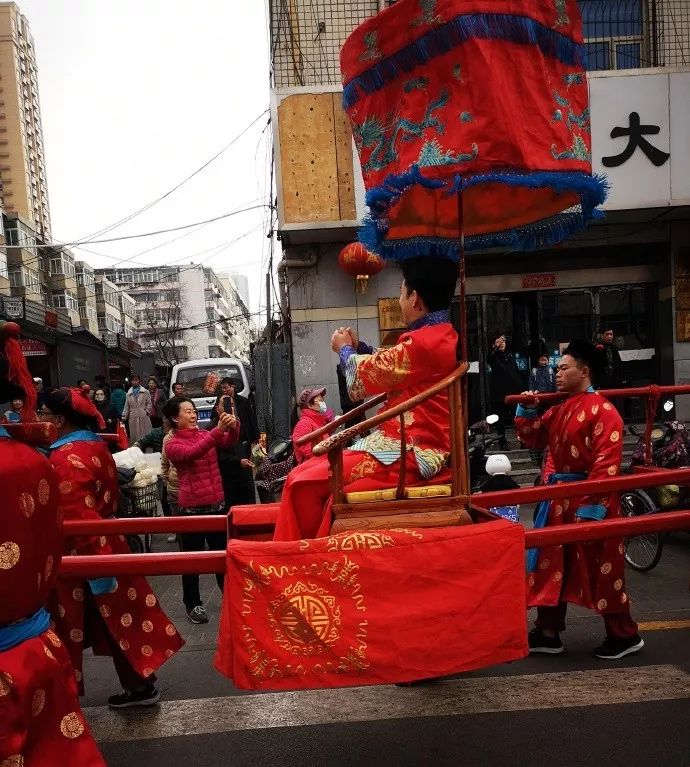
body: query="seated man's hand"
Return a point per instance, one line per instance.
(533, 402)
(340, 338)
(355, 338)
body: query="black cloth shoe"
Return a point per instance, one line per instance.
(149, 696)
(197, 615)
(614, 649)
(538, 643)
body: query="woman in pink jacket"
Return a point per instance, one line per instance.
(192, 451)
(313, 414)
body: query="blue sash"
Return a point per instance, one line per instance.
(542, 514)
(16, 633)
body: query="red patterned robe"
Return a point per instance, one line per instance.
(130, 615)
(422, 356)
(41, 722)
(584, 435)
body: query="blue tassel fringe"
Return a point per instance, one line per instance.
(535, 236)
(486, 26)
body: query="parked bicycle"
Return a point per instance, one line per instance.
(670, 450)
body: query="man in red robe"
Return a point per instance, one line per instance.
(424, 354)
(584, 435)
(41, 722)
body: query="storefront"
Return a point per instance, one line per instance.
(121, 353)
(81, 355)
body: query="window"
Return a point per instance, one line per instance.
(87, 313)
(65, 300)
(61, 265)
(613, 33)
(3, 265)
(85, 280)
(20, 236)
(25, 278)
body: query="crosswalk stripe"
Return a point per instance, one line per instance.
(356, 704)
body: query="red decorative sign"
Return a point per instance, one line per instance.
(51, 319)
(32, 348)
(539, 281)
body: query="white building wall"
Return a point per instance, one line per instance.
(193, 305)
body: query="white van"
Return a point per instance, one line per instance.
(193, 375)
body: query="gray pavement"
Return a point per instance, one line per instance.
(566, 710)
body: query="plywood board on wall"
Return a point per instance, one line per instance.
(315, 159)
(343, 153)
(682, 326)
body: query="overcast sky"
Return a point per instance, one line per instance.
(135, 96)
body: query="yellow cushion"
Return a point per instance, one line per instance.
(431, 491)
(371, 496)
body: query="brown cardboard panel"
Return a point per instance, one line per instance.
(682, 326)
(343, 151)
(309, 168)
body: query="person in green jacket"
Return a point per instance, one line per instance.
(154, 440)
(118, 397)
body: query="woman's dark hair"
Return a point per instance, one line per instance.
(100, 389)
(585, 353)
(61, 402)
(152, 378)
(434, 280)
(171, 409)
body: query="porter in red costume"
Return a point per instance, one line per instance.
(584, 435)
(120, 616)
(424, 354)
(40, 719)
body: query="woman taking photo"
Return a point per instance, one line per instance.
(119, 616)
(157, 400)
(193, 452)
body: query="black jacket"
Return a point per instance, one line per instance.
(505, 377)
(109, 416)
(612, 374)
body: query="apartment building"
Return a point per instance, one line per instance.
(86, 296)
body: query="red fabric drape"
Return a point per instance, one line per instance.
(372, 607)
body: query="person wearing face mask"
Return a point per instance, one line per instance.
(313, 414)
(100, 400)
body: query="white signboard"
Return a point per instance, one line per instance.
(641, 137)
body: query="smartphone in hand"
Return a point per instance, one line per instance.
(228, 406)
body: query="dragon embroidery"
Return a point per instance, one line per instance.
(371, 47)
(371, 133)
(562, 18)
(578, 150)
(427, 14)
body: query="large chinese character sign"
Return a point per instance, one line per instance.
(483, 98)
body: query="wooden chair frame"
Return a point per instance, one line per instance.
(417, 510)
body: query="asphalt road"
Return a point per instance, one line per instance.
(564, 710)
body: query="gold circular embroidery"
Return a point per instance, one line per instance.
(126, 620)
(147, 671)
(602, 604)
(150, 600)
(606, 568)
(608, 406)
(46, 650)
(9, 555)
(530, 581)
(612, 471)
(37, 702)
(558, 510)
(566, 504)
(124, 645)
(75, 461)
(558, 577)
(615, 436)
(71, 726)
(96, 461)
(16, 760)
(624, 598)
(76, 635)
(49, 566)
(147, 650)
(43, 492)
(65, 488)
(621, 548)
(104, 611)
(78, 675)
(595, 409)
(90, 502)
(111, 472)
(304, 618)
(106, 496)
(5, 683)
(618, 584)
(574, 451)
(98, 486)
(147, 626)
(78, 594)
(169, 653)
(544, 564)
(598, 429)
(170, 630)
(102, 540)
(581, 416)
(132, 594)
(61, 611)
(27, 504)
(54, 639)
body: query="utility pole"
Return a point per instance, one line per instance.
(269, 352)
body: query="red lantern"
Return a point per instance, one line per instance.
(356, 260)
